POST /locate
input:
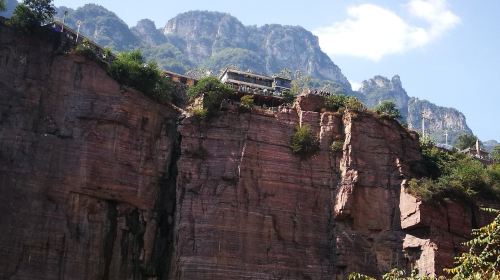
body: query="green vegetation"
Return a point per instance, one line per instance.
(3, 7)
(337, 146)
(32, 13)
(129, 68)
(495, 154)
(388, 109)
(452, 174)
(213, 92)
(246, 103)
(303, 142)
(480, 262)
(288, 97)
(338, 102)
(465, 141)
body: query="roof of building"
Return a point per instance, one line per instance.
(245, 73)
(177, 74)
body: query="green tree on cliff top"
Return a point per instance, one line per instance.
(465, 141)
(32, 13)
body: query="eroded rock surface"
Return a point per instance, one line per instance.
(83, 164)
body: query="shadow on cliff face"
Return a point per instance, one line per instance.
(87, 168)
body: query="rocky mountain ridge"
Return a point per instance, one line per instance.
(439, 120)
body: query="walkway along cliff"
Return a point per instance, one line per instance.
(97, 181)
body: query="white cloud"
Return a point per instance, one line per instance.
(373, 32)
(355, 85)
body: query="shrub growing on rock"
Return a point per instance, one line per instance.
(213, 92)
(388, 109)
(303, 142)
(337, 146)
(335, 102)
(130, 68)
(246, 103)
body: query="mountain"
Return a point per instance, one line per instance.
(440, 119)
(217, 39)
(101, 25)
(211, 41)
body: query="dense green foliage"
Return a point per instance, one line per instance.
(129, 68)
(465, 141)
(246, 102)
(452, 174)
(303, 142)
(388, 108)
(337, 146)
(213, 92)
(288, 97)
(337, 102)
(495, 154)
(32, 13)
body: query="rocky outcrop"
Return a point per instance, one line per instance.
(208, 36)
(147, 32)
(439, 120)
(248, 208)
(85, 169)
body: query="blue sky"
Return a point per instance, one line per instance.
(447, 52)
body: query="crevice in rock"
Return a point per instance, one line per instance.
(110, 237)
(163, 251)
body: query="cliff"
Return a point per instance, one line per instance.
(100, 182)
(248, 208)
(85, 168)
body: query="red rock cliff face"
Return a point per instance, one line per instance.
(92, 185)
(248, 208)
(82, 165)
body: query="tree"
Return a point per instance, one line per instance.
(32, 13)
(465, 141)
(495, 154)
(213, 92)
(2, 5)
(303, 142)
(130, 68)
(388, 108)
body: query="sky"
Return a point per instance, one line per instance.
(445, 51)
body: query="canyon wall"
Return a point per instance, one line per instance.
(97, 181)
(83, 164)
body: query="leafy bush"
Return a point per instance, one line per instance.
(129, 68)
(32, 13)
(465, 141)
(482, 259)
(303, 142)
(200, 113)
(337, 146)
(213, 92)
(495, 154)
(388, 108)
(246, 102)
(452, 174)
(335, 102)
(288, 97)
(352, 103)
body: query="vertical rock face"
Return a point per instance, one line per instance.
(83, 163)
(92, 185)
